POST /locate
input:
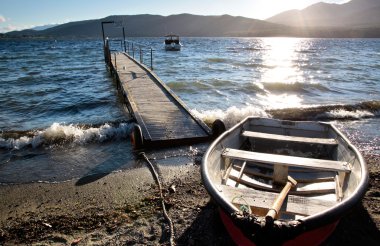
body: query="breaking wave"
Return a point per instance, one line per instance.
(368, 109)
(233, 115)
(60, 134)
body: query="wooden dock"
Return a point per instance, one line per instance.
(163, 119)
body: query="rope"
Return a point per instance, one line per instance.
(245, 208)
(156, 177)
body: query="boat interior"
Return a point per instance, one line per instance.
(255, 173)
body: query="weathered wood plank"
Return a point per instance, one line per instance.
(302, 188)
(295, 161)
(277, 137)
(301, 177)
(294, 204)
(157, 110)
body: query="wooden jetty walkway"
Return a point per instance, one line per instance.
(162, 118)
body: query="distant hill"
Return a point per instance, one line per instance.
(156, 25)
(44, 27)
(353, 14)
(191, 26)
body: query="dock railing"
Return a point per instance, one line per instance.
(140, 52)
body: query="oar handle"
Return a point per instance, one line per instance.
(276, 206)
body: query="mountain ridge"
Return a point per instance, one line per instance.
(147, 25)
(355, 13)
(157, 25)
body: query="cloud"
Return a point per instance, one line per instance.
(2, 19)
(8, 28)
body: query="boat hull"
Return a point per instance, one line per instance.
(173, 47)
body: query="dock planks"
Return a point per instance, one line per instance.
(162, 116)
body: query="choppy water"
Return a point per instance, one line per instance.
(62, 118)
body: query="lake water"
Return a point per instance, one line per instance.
(61, 116)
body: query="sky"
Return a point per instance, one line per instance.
(24, 14)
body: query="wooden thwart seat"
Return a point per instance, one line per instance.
(302, 177)
(319, 164)
(277, 137)
(327, 187)
(298, 205)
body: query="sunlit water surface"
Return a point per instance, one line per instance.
(62, 117)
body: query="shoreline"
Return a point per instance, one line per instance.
(124, 208)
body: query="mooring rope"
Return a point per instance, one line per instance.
(156, 177)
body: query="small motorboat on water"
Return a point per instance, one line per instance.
(172, 42)
(283, 182)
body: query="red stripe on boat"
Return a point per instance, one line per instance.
(313, 237)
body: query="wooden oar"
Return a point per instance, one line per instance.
(276, 206)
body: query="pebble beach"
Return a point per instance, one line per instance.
(123, 208)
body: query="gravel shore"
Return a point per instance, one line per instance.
(123, 208)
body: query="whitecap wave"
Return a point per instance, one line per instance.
(61, 133)
(345, 114)
(363, 110)
(231, 116)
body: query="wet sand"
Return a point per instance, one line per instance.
(123, 208)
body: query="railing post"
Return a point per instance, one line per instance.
(107, 52)
(130, 47)
(115, 62)
(151, 58)
(125, 48)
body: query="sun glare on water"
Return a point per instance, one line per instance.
(280, 68)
